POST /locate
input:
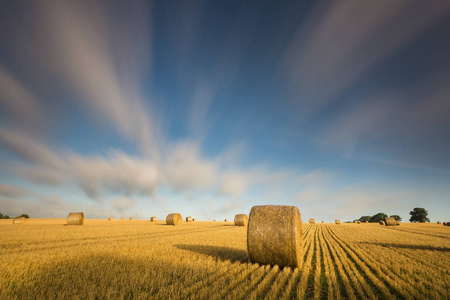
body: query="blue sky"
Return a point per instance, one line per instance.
(210, 107)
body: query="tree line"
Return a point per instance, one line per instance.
(2, 216)
(418, 214)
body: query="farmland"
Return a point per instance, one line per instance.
(139, 259)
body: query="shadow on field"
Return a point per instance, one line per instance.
(405, 246)
(218, 252)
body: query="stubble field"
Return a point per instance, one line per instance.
(43, 259)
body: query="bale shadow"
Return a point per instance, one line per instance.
(406, 246)
(217, 252)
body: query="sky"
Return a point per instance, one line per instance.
(207, 108)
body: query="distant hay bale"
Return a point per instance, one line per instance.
(153, 219)
(382, 223)
(241, 220)
(19, 220)
(338, 222)
(323, 221)
(174, 219)
(188, 219)
(439, 222)
(75, 218)
(447, 223)
(110, 218)
(214, 220)
(312, 221)
(274, 235)
(358, 222)
(390, 221)
(226, 220)
(194, 219)
(131, 218)
(121, 218)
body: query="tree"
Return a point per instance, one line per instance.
(26, 216)
(377, 218)
(419, 214)
(363, 219)
(2, 216)
(396, 217)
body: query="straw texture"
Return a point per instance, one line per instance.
(75, 218)
(241, 220)
(274, 235)
(174, 219)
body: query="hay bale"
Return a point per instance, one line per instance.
(367, 222)
(75, 218)
(274, 235)
(214, 220)
(153, 219)
(188, 219)
(19, 220)
(226, 220)
(323, 221)
(131, 218)
(382, 223)
(447, 223)
(338, 222)
(439, 222)
(390, 221)
(194, 219)
(121, 218)
(358, 222)
(241, 220)
(312, 221)
(174, 219)
(110, 218)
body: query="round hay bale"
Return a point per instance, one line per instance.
(214, 220)
(110, 218)
(390, 221)
(312, 221)
(226, 220)
(323, 221)
(131, 218)
(174, 219)
(358, 222)
(447, 223)
(338, 222)
(194, 219)
(19, 220)
(75, 218)
(382, 223)
(439, 222)
(153, 219)
(274, 235)
(121, 218)
(241, 220)
(188, 219)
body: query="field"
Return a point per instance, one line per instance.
(137, 259)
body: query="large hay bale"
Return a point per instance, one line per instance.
(338, 222)
(390, 221)
(241, 220)
(153, 219)
(75, 218)
(110, 218)
(19, 220)
(131, 218)
(382, 223)
(226, 220)
(188, 219)
(274, 235)
(312, 221)
(174, 219)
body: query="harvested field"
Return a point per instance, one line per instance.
(45, 259)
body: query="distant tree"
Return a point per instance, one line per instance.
(377, 218)
(419, 214)
(2, 216)
(24, 216)
(396, 217)
(363, 219)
